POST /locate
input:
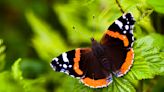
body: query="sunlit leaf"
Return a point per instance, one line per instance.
(17, 73)
(150, 48)
(2, 55)
(74, 23)
(148, 61)
(158, 6)
(121, 85)
(140, 70)
(25, 84)
(34, 85)
(8, 84)
(46, 41)
(146, 21)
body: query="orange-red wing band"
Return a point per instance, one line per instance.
(128, 61)
(76, 62)
(120, 36)
(95, 83)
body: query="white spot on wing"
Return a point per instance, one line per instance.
(119, 24)
(124, 31)
(131, 44)
(56, 59)
(65, 66)
(67, 72)
(72, 76)
(132, 38)
(131, 26)
(131, 31)
(70, 66)
(126, 27)
(65, 59)
(62, 70)
(60, 65)
(123, 16)
(53, 67)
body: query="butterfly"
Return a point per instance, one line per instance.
(112, 56)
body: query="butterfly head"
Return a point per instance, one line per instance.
(93, 41)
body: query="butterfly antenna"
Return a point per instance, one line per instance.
(119, 5)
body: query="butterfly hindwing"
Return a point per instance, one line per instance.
(94, 75)
(81, 63)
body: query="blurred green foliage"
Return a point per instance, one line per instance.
(33, 32)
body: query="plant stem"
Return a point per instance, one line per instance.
(140, 89)
(119, 5)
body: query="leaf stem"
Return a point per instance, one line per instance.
(140, 89)
(119, 5)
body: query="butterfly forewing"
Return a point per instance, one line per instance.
(118, 41)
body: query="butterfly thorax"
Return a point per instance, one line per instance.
(100, 54)
(97, 49)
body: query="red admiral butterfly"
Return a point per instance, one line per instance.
(95, 66)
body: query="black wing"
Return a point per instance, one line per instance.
(81, 63)
(118, 41)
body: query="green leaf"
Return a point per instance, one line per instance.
(73, 22)
(46, 41)
(26, 84)
(148, 60)
(150, 48)
(158, 40)
(157, 5)
(121, 85)
(34, 85)
(8, 84)
(17, 73)
(140, 70)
